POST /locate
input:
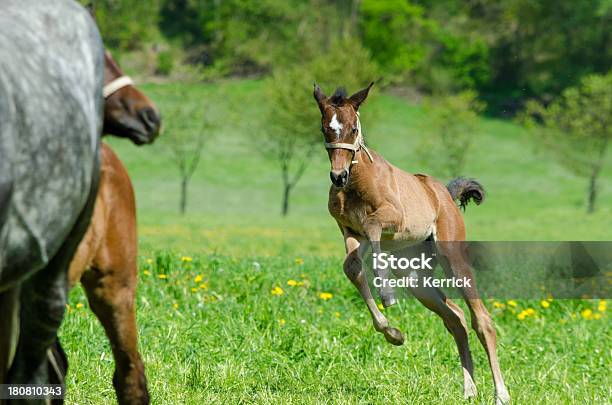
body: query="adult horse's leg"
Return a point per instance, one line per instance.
(43, 302)
(111, 294)
(481, 320)
(454, 320)
(9, 329)
(353, 268)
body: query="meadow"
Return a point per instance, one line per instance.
(237, 304)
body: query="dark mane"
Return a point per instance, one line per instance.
(338, 97)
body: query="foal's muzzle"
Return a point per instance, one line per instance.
(339, 177)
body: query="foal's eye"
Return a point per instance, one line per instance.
(354, 130)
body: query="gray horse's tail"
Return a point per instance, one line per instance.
(463, 190)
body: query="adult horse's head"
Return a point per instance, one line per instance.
(128, 112)
(342, 130)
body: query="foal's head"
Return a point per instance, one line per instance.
(341, 129)
(128, 112)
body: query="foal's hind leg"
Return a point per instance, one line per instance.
(454, 320)
(481, 320)
(353, 268)
(112, 294)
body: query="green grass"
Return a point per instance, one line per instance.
(228, 343)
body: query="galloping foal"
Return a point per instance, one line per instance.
(372, 200)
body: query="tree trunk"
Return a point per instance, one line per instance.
(592, 190)
(286, 192)
(183, 196)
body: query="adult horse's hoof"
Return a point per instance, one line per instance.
(469, 390)
(502, 398)
(394, 336)
(388, 300)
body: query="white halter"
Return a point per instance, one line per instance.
(117, 84)
(355, 147)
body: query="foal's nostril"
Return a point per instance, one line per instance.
(151, 118)
(339, 177)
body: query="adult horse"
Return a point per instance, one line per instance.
(51, 80)
(106, 259)
(372, 200)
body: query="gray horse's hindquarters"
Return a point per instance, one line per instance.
(51, 77)
(51, 74)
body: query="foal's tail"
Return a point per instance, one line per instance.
(463, 190)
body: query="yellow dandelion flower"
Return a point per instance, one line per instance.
(512, 303)
(337, 314)
(79, 305)
(381, 307)
(204, 286)
(292, 283)
(586, 313)
(277, 291)
(198, 279)
(175, 305)
(325, 296)
(602, 306)
(498, 304)
(193, 289)
(545, 304)
(186, 259)
(597, 315)
(281, 322)
(530, 311)
(299, 261)
(521, 316)
(146, 273)
(162, 276)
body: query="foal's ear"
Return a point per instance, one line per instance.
(359, 97)
(320, 97)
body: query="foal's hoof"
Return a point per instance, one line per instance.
(394, 336)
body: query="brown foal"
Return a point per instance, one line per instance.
(106, 259)
(372, 200)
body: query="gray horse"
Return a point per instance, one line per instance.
(51, 78)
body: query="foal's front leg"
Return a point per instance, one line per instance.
(353, 269)
(373, 229)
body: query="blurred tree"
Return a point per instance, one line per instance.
(454, 118)
(577, 128)
(126, 24)
(396, 32)
(186, 130)
(538, 48)
(292, 128)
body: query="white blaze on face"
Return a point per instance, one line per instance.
(336, 125)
